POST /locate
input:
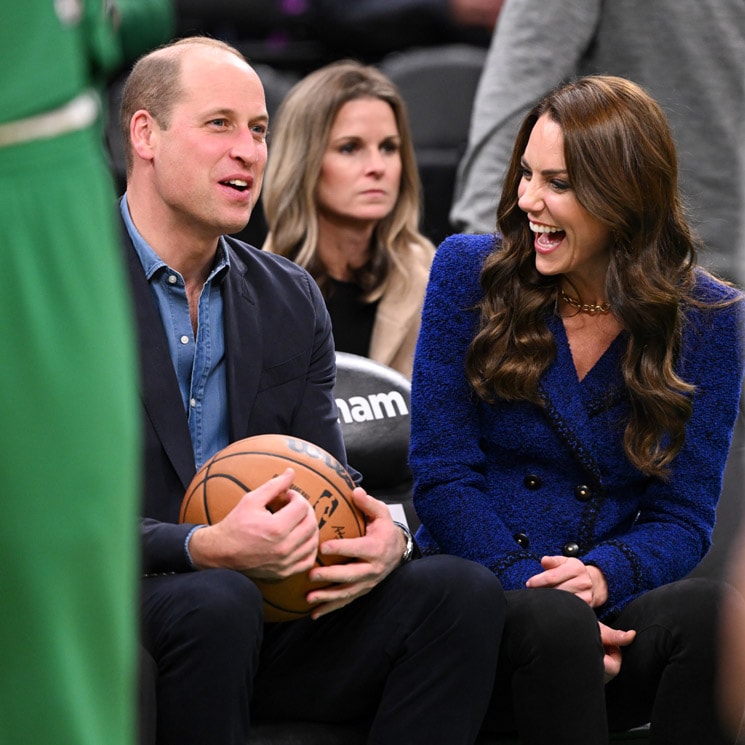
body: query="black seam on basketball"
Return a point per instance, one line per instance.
(208, 477)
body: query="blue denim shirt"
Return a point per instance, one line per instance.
(199, 363)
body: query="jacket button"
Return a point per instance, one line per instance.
(583, 493)
(532, 482)
(522, 540)
(570, 549)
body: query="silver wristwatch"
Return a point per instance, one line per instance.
(408, 554)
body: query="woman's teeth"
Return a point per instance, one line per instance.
(536, 228)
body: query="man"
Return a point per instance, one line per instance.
(237, 342)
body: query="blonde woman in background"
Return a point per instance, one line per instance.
(341, 199)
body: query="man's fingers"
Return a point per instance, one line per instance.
(272, 489)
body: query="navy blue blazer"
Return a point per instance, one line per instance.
(280, 375)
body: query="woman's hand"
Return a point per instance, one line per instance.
(613, 640)
(570, 574)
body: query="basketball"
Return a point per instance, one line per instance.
(246, 464)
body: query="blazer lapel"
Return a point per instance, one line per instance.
(560, 389)
(160, 391)
(244, 342)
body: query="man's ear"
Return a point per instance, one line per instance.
(143, 134)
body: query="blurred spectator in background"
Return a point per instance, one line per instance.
(371, 29)
(689, 55)
(276, 32)
(341, 198)
(69, 433)
(305, 34)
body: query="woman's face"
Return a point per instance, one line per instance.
(361, 168)
(568, 239)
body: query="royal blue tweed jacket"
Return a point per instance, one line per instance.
(506, 483)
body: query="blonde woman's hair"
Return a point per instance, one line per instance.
(298, 142)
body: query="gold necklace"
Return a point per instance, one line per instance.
(590, 308)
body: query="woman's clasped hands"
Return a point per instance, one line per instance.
(588, 583)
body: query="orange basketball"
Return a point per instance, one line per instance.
(319, 477)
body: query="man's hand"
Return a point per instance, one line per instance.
(374, 556)
(271, 533)
(613, 640)
(570, 574)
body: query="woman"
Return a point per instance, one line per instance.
(574, 393)
(342, 200)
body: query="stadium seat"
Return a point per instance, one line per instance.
(373, 402)
(438, 85)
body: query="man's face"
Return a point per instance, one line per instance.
(208, 165)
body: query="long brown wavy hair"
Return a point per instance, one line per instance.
(622, 164)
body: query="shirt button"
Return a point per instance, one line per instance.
(583, 493)
(184, 339)
(522, 540)
(172, 279)
(192, 402)
(532, 482)
(570, 549)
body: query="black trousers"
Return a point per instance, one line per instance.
(549, 684)
(413, 660)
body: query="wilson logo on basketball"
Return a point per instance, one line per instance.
(375, 406)
(311, 451)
